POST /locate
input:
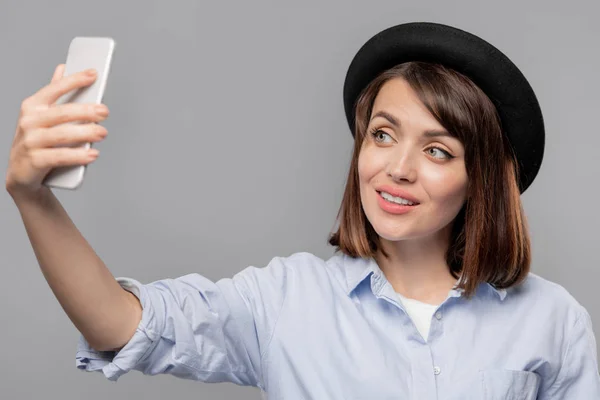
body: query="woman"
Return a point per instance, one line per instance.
(429, 294)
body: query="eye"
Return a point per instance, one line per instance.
(377, 135)
(438, 153)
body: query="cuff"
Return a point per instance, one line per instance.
(114, 364)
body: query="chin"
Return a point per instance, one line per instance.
(397, 235)
(403, 227)
(394, 231)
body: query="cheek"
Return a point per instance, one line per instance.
(367, 166)
(367, 170)
(446, 186)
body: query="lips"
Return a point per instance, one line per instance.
(397, 193)
(394, 208)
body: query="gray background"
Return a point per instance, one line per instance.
(227, 146)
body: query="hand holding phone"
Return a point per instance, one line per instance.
(43, 133)
(84, 53)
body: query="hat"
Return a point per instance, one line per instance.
(491, 70)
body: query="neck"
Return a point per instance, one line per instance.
(417, 268)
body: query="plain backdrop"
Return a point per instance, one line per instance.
(228, 146)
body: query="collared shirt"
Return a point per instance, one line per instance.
(307, 328)
(420, 313)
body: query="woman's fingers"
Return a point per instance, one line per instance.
(45, 117)
(58, 73)
(64, 135)
(47, 132)
(45, 159)
(59, 87)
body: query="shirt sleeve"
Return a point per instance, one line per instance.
(197, 329)
(578, 377)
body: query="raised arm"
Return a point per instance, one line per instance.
(102, 311)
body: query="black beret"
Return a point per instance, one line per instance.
(484, 64)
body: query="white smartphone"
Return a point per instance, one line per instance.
(84, 53)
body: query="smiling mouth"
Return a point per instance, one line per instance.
(396, 200)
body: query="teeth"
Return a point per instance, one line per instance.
(397, 200)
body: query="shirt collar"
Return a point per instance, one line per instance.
(500, 292)
(358, 269)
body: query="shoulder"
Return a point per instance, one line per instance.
(563, 327)
(307, 263)
(306, 266)
(298, 269)
(547, 298)
(297, 264)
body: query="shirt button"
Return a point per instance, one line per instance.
(438, 315)
(437, 370)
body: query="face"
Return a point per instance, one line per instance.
(410, 155)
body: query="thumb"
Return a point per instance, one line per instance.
(58, 73)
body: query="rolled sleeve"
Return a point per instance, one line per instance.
(131, 356)
(194, 328)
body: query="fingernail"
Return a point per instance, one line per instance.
(93, 152)
(91, 72)
(101, 109)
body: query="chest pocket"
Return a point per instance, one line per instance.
(505, 384)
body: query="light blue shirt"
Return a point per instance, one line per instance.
(307, 328)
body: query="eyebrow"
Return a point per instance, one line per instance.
(394, 121)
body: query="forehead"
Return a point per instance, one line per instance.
(398, 98)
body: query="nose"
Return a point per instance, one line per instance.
(401, 168)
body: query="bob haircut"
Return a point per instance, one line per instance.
(489, 240)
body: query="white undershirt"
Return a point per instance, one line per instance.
(420, 313)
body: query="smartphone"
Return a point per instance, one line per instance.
(84, 52)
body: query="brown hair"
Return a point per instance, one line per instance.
(490, 240)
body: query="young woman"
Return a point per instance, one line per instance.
(429, 294)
